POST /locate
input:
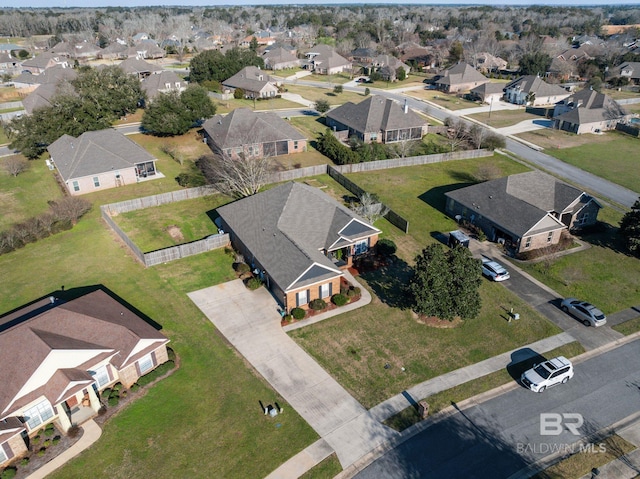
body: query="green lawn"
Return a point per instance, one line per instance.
(202, 421)
(314, 94)
(26, 195)
(604, 274)
(617, 160)
(172, 224)
(502, 118)
(445, 100)
(225, 106)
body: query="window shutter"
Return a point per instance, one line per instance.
(308, 295)
(153, 358)
(330, 289)
(320, 291)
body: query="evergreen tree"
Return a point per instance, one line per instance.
(195, 100)
(466, 276)
(166, 116)
(630, 228)
(430, 283)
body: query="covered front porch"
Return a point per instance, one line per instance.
(78, 408)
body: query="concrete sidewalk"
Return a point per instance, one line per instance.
(91, 434)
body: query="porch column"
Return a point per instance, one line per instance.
(93, 399)
(65, 422)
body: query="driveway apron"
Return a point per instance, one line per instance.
(251, 322)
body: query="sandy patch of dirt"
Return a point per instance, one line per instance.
(175, 233)
(434, 322)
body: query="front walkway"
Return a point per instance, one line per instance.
(91, 434)
(251, 323)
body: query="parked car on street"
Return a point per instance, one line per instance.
(547, 374)
(494, 270)
(587, 313)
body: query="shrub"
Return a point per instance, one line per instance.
(298, 313)
(317, 304)
(156, 373)
(47, 443)
(386, 247)
(238, 93)
(41, 451)
(9, 472)
(36, 439)
(117, 386)
(24, 461)
(134, 387)
(367, 91)
(191, 179)
(339, 299)
(254, 283)
(106, 393)
(288, 318)
(113, 401)
(357, 290)
(55, 440)
(73, 431)
(102, 411)
(242, 268)
(350, 293)
(49, 429)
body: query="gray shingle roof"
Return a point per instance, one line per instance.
(327, 57)
(590, 106)
(279, 55)
(138, 67)
(156, 83)
(517, 202)
(39, 98)
(535, 84)
(249, 78)
(243, 126)
(374, 114)
(286, 228)
(95, 152)
(461, 73)
(488, 88)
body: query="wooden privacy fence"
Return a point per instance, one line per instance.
(171, 253)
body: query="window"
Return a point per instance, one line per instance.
(583, 219)
(527, 243)
(374, 136)
(295, 144)
(325, 290)
(549, 236)
(3, 456)
(361, 247)
(101, 376)
(38, 414)
(301, 298)
(145, 363)
(96, 181)
(76, 186)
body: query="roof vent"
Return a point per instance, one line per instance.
(52, 299)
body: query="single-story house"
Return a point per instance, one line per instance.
(139, 67)
(162, 82)
(377, 119)
(486, 62)
(488, 92)
(40, 97)
(323, 60)
(246, 133)
(387, 66)
(57, 356)
(532, 90)
(98, 160)
(81, 49)
(298, 239)
(588, 111)
(9, 65)
(51, 76)
(526, 211)
(254, 82)
(40, 63)
(280, 58)
(460, 77)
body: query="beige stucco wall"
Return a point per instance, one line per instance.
(107, 180)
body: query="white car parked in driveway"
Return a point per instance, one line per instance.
(547, 374)
(494, 270)
(587, 313)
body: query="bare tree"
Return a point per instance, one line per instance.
(70, 208)
(236, 177)
(457, 133)
(488, 171)
(404, 148)
(370, 208)
(476, 135)
(14, 165)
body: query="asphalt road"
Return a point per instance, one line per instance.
(502, 436)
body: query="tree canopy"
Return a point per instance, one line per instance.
(630, 228)
(536, 63)
(173, 113)
(213, 65)
(93, 101)
(445, 283)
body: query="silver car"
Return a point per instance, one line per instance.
(587, 313)
(494, 270)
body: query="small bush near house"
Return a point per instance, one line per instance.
(49, 430)
(238, 93)
(386, 247)
(117, 386)
(298, 313)
(24, 461)
(36, 439)
(350, 293)
(47, 443)
(288, 318)
(254, 283)
(113, 401)
(106, 393)
(191, 179)
(242, 268)
(339, 299)
(73, 431)
(156, 373)
(9, 473)
(55, 440)
(134, 387)
(317, 304)
(41, 451)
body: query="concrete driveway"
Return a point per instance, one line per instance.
(251, 322)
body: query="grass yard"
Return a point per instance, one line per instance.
(604, 274)
(355, 346)
(204, 420)
(313, 94)
(327, 469)
(171, 224)
(628, 327)
(225, 106)
(26, 195)
(502, 118)
(620, 95)
(4, 138)
(583, 462)
(134, 117)
(617, 160)
(445, 100)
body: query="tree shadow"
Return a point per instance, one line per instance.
(604, 235)
(389, 282)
